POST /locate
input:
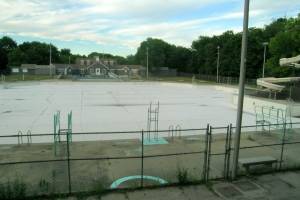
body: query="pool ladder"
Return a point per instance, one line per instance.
(174, 132)
(28, 136)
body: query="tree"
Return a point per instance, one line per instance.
(39, 53)
(163, 54)
(6, 46)
(3, 61)
(16, 57)
(286, 43)
(65, 56)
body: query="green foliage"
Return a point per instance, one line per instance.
(6, 46)
(163, 54)
(282, 35)
(44, 186)
(38, 53)
(182, 176)
(13, 190)
(99, 186)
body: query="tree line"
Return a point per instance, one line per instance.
(282, 37)
(12, 54)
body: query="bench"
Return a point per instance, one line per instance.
(262, 160)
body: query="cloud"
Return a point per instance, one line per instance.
(126, 23)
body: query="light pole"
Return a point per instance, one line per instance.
(218, 63)
(265, 50)
(192, 50)
(147, 63)
(50, 61)
(237, 134)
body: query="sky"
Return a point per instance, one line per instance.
(119, 26)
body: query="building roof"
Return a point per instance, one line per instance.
(34, 66)
(129, 66)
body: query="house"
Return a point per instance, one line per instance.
(97, 70)
(95, 66)
(63, 69)
(95, 60)
(16, 70)
(34, 69)
(137, 70)
(129, 70)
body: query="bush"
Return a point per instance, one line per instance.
(13, 190)
(182, 176)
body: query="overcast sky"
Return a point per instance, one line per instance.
(118, 26)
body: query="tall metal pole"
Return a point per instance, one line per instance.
(50, 61)
(218, 64)
(265, 49)
(147, 62)
(241, 91)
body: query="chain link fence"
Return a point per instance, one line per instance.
(99, 161)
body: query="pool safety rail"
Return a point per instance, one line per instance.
(28, 136)
(200, 154)
(58, 131)
(268, 115)
(174, 132)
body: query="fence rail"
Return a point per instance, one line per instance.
(225, 79)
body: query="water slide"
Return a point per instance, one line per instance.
(272, 83)
(294, 61)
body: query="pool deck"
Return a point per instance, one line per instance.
(279, 186)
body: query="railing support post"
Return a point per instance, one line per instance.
(69, 167)
(142, 161)
(282, 145)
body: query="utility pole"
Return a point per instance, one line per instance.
(218, 63)
(241, 91)
(265, 50)
(50, 61)
(147, 63)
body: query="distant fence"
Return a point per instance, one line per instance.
(225, 79)
(153, 158)
(213, 78)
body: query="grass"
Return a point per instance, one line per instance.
(44, 186)
(13, 78)
(13, 190)
(182, 176)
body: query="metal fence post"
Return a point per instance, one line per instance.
(229, 149)
(204, 177)
(142, 161)
(208, 153)
(226, 153)
(69, 171)
(282, 145)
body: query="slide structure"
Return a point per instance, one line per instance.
(272, 83)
